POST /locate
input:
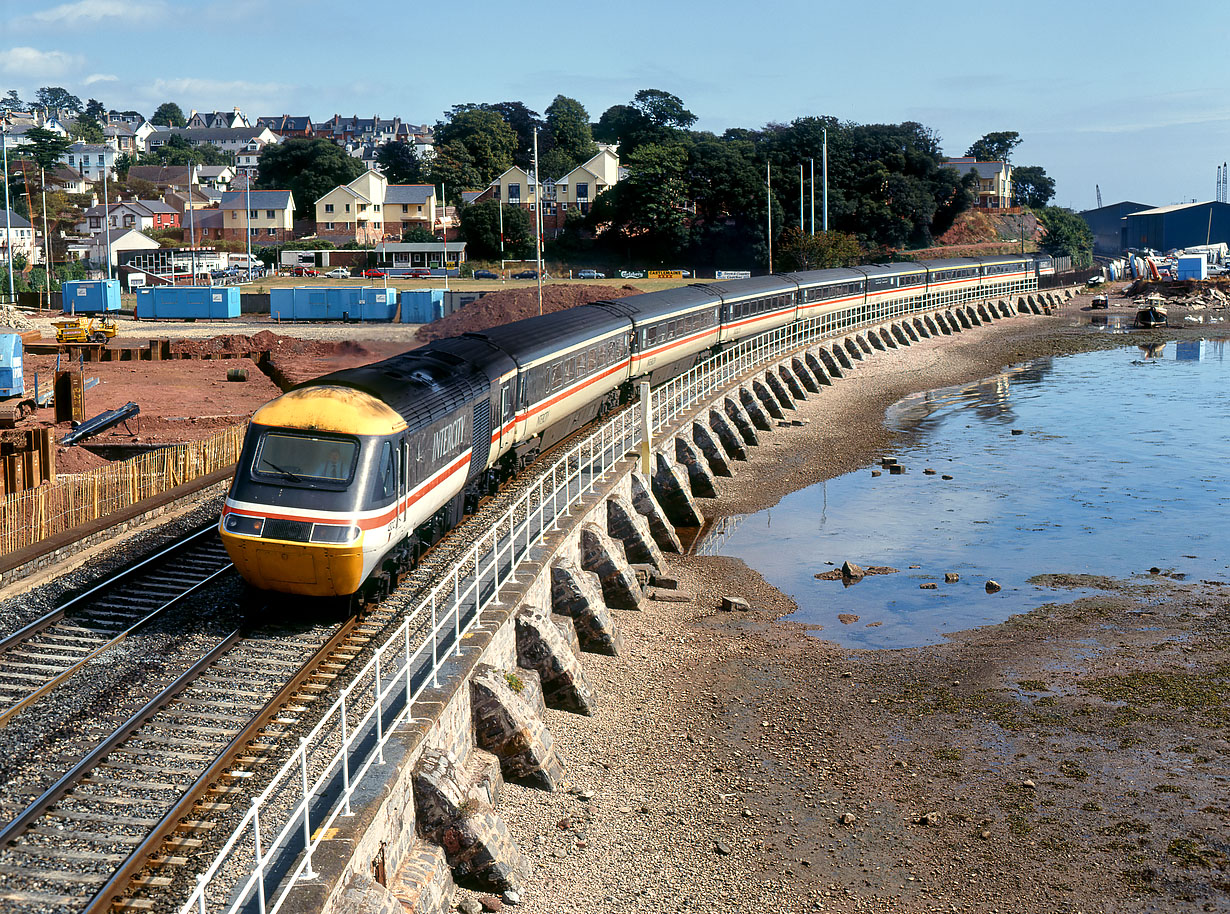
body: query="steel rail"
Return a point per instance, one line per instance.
(57, 790)
(111, 890)
(51, 618)
(68, 673)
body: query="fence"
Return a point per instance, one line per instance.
(37, 514)
(273, 844)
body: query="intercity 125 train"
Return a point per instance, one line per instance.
(344, 480)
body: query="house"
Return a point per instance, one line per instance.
(70, 180)
(354, 211)
(248, 159)
(19, 123)
(228, 139)
(362, 136)
(267, 215)
(435, 254)
(22, 241)
(577, 189)
(115, 242)
(574, 192)
(408, 206)
(208, 225)
(994, 180)
(168, 177)
(91, 159)
(183, 200)
(226, 120)
(218, 177)
(286, 125)
(131, 118)
(142, 215)
(127, 139)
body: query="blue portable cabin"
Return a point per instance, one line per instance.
(12, 382)
(90, 296)
(421, 306)
(333, 303)
(187, 303)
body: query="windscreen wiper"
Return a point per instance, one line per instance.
(287, 473)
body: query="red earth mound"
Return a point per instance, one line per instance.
(508, 305)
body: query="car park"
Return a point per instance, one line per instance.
(526, 274)
(338, 273)
(485, 274)
(590, 274)
(374, 274)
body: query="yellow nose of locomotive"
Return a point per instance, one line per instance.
(310, 569)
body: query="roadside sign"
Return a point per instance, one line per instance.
(733, 274)
(666, 274)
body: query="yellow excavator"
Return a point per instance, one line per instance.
(85, 330)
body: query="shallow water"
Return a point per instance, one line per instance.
(1119, 466)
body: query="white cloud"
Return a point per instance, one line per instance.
(218, 95)
(34, 64)
(100, 78)
(90, 12)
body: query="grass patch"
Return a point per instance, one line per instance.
(1069, 768)
(1032, 685)
(514, 682)
(1193, 853)
(1205, 694)
(947, 755)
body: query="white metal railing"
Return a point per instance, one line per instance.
(276, 838)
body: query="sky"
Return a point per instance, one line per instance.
(1131, 96)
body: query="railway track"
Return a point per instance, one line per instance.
(47, 652)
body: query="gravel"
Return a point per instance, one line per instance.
(740, 763)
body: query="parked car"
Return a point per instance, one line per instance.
(485, 274)
(419, 273)
(338, 273)
(374, 274)
(526, 274)
(590, 274)
(306, 271)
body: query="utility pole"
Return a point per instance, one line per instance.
(826, 179)
(8, 220)
(247, 189)
(800, 198)
(812, 185)
(46, 236)
(538, 219)
(768, 180)
(192, 227)
(106, 214)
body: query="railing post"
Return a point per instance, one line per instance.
(201, 880)
(405, 627)
(435, 644)
(345, 756)
(308, 871)
(379, 715)
(646, 430)
(259, 856)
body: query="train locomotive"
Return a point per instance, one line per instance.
(344, 480)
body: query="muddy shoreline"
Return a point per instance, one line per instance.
(1073, 758)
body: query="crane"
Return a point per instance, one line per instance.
(1099, 190)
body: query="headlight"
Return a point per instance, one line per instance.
(334, 533)
(243, 524)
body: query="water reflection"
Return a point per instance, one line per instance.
(1102, 463)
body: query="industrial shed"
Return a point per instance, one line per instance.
(1108, 226)
(1165, 228)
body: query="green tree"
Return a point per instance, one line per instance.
(1034, 188)
(555, 164)
(524, 122)
(625, 126)
(663, 109)
(1067, 234)
(55, 97)
(309, 168)
(95, 110)
(454, 167)
(399, 163)
(122, 164)
(480, 227)
(486, 138)
(168, 114)
(995, 147)
(796, 250)
(647, 208)
(571, 131)
(12, 101)
(418, 235)
(45, 147)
